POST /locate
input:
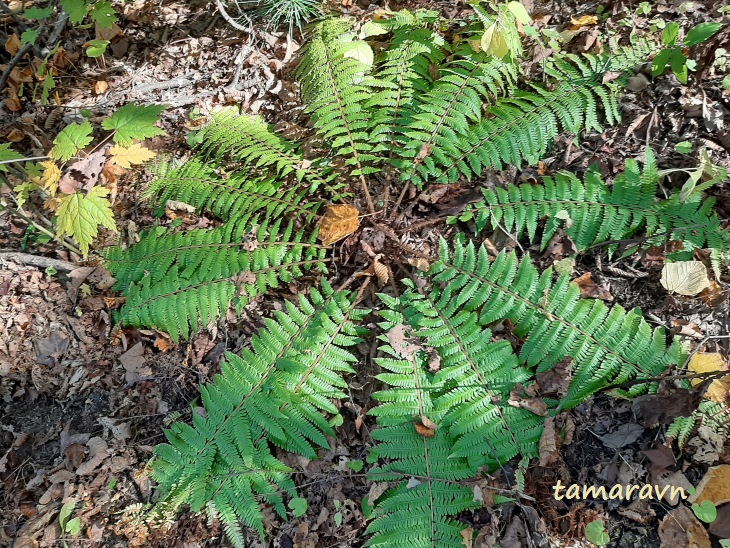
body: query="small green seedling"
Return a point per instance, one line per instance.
(69, 526)
(298, 507)
(596, 533)
(707, 511)
(673, 54)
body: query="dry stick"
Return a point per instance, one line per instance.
(14, 61)
(37, 261)
(231, 21)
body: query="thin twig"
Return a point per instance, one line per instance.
(39, 261)
(14, 61)
(231, 21)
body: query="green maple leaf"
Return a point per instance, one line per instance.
(134, 122)
(79, 216)
(76, 10)
(103, 14)
(72, 139)
(7, 153)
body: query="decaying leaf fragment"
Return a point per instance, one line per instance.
(338, 221)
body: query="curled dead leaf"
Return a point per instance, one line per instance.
(424, 430)
(338, 221)
(380, 270)
(420, 263)
(590, 289)
(524, 398)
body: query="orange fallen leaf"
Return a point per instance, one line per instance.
(338, 221)
(583, 21)
(714, 486)
(12, 44)
(590, 290)
(424, 430)
(100, 87)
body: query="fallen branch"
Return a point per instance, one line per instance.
(38, 261)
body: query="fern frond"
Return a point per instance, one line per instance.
(238, 196)
(591, 213)
(521, 127)
(177, 282)
(417, 512)
(223, 460)
(253, 144)
(336, 87)
(608, 345)
(454, 103)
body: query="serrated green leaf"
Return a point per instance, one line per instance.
(103, 15)
(29, 36)
(96, 48)
(7, 154)
(134, 122)
(38, 13)
(298, 507)
(72, 139)
(80, 216)
(76, 10)
(700, 33)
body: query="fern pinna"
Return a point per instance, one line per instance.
(423, 108)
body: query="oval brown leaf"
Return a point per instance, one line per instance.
(337, 222)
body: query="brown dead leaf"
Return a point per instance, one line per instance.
(713, 295)
(523, 398)
(13, 101)
(590, 290)
(401, 343)
(652, 409)
(714, 486)
(111, 172)
(380, 270)
(661, 458)
(100, 86)
(555, 381)
(83, 174)
(467, 537)
(428, 423)
(420, 263)
(338, 221)
(12, 44)
(673, 480)
(582, 21)
(424, 430)
(15, 135)
(680, 528)
(163, 343)
(549, 444)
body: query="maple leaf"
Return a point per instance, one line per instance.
(72, 139)
(51, 176)
(134, 122)
(133, 154)
(79, 216)
(8, 154)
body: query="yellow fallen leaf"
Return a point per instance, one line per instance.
(706, 362)
(337, 222)
(583, 21)
(685, 277)
(133, 154)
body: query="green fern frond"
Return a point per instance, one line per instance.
(608, 345)
(417, 512)
(709, 413)
(272, 393)
(521, 127)
(444, 115)
(336, 88)
(237, 196)
(180, 281)
(591, 213)
(251, 143)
